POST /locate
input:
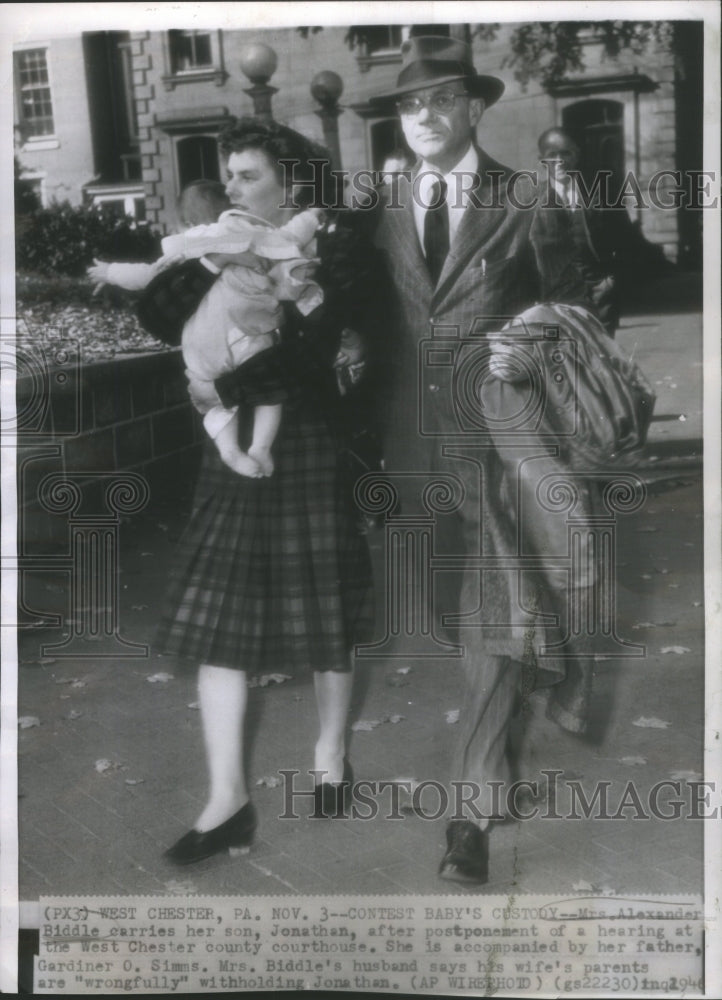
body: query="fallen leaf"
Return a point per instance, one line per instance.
(632, 760)
(135, 781)
(368, 725)
(104, 765)
(160, 678)
(72, 714)
(270, 782)
(28, 721)
(452, 716)
(178, 887)
(650, 723)
(77, 684)
(675, 649)
(403, 670)
(365, 725)
(263, 680)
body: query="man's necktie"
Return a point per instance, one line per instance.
(436, 230)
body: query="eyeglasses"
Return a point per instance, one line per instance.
(441, 103)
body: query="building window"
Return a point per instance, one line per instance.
(380, 44)
(125, 73)
(377, 38)
(193, 56)
(197, 158)
(189, 50)
(120, 202)
(35, 103)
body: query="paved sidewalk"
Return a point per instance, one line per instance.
(83, 831)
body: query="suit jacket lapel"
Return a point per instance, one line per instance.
(477, 224)
(407, 239)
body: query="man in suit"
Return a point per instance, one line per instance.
(463, 262)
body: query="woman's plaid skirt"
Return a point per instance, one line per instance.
(272, 574)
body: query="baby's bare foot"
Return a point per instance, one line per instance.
(242, 463)
(263, 457)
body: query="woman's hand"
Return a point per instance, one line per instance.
(504, 364)
(350, 360)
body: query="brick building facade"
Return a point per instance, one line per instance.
(174, 90)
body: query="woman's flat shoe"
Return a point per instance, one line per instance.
(331, 801)
(235, 835)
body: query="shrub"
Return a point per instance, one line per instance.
(63, 240)
(33, 289)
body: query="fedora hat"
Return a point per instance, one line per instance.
(430, 60)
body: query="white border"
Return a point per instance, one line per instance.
(22, 23)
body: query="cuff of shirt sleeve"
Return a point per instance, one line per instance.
(210, 266)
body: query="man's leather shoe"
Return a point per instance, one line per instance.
(467, 853)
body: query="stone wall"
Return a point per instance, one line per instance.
(85, 422)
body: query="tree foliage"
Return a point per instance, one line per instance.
(545, 51)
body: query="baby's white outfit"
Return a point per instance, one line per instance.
(240, 314)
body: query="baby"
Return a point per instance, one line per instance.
(241, 313)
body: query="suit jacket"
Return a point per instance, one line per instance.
(494, 270)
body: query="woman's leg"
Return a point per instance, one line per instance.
(223, 695)
(333, 698)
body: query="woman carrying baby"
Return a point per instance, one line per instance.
(273, 573)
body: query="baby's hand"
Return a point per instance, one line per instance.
(98, 273)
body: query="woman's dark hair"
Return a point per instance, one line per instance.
(306, 162)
